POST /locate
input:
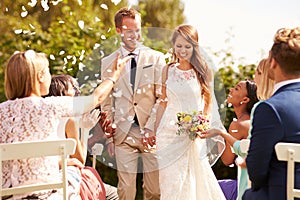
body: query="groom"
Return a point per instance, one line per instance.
(133, 109)
(276, 120)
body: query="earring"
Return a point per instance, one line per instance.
(241, 102)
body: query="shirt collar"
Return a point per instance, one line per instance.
(125, 52)
(283, 83)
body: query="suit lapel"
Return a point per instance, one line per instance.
(139, 70)
(124, 81)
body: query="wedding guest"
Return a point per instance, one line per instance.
(66, 85)
(242, 97)
(265, 85)
(264, 90)
(184, 162)
(26, 116)
(133, 111)
(276, 120)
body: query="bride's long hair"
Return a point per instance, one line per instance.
(204, 74)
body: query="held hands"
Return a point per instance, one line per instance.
(109, 130)
(149, 138)
(106, 125)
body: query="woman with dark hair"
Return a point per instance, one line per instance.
(242, 98)
(185, 163)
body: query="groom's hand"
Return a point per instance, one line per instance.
(149, 138)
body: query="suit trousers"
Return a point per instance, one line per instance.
(127, 158)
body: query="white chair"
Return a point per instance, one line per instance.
(96, 151)
(289, 152)
(22, 150)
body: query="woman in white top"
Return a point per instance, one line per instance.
(26, 116)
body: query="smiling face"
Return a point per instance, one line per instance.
(130, 32)
(237, 94)
(183, 49)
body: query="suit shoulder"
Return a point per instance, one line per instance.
(110, 56)
(151, 51)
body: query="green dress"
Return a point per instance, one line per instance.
(243, 179)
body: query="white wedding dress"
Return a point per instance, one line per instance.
(185, 171)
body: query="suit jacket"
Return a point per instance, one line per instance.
(274, 120)
(124, 103)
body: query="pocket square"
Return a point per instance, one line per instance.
(147, 66)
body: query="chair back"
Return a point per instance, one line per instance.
(31, 149)
(289, 152)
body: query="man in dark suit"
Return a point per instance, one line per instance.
(276, 120)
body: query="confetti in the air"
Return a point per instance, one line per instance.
(104, 6)
(81, 24)
(44, 4)
(32, 3)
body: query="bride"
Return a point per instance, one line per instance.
(185, 164)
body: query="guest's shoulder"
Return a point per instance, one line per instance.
(239, 129)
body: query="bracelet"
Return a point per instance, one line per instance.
(110, 79)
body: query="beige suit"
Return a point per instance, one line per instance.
(121, 106)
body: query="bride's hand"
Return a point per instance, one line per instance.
(149, 139)
(210, 133)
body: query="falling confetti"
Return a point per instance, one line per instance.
(116, 2)
(56, 2)
(31, 26)
(81, 66)
(117, 93)
(44, 4)
(18, 31)
(104, 6)
(24, 14)
(97, 19)
(32, 3)
(81, 24)
(52, 57)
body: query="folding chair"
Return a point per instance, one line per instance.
(22, 150)
(289, 152)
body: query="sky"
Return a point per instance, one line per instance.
(253, 24)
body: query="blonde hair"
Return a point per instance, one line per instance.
(21, 74)
(266, 86)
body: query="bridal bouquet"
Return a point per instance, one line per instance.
(190, 123)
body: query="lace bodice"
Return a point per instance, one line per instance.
(183, 90)
(34, 118)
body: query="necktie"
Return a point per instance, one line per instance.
(133, 70)
(132, 80)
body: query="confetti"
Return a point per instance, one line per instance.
(104, 6)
